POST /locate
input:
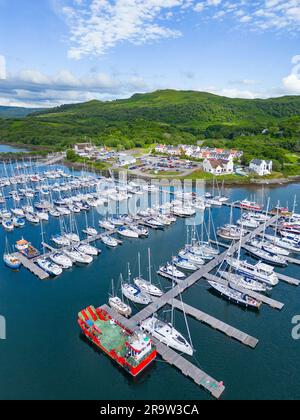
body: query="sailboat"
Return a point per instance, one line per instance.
(170, 272)
(46, 265)
(118, 304)
(134, 293)
(146, 285)
(166, 333)
(10, 260)
(234, 295)
(61, 259)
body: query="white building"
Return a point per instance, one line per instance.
(218, 166)
(261, 167)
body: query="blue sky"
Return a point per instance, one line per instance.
(62, 51)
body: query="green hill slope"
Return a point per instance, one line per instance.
(16, 112)
(162, 116)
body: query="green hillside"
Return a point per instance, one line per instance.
(16, 112)
(163, 116)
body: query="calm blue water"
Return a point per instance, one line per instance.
(10, 149)
(44, 356)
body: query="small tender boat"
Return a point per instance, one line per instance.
(235, 296)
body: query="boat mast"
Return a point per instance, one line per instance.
(139, 264)
(149, 261)
(265, 227)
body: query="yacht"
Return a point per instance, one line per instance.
(260, 271)
(167, 334)
(78, 257)
(8, 225)
(105, 224)
(42, 216)
(61, 240)
(192, 258)
(90, 231)
(128, 233)
(170, 271)
(18, 222)
(285, 243)
(18, 212)
(248, 223)
(269, 247)
(250, 205)
(73, 237)
(235, 296)
(62, 260)
(230, 232)
(135, 294)
(184, 264)
(49, 267)
(243, 281)
(265, 256)
(118, 305)
(87, 249)
(109, 241)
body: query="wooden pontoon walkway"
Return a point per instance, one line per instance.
(201, 378)
(216, 324)
(31, 266)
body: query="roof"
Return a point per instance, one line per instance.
(217, 162)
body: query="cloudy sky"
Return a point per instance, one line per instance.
(63, 51)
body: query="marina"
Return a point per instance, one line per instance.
(203, 269)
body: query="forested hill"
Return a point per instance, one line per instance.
(16, 112)
(162, 116)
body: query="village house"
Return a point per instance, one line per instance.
(261, 167)
(218, 166)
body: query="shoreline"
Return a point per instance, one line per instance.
(228, 183)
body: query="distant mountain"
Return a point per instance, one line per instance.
(16, 112)
(162, 116)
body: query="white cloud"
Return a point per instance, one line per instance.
(2, 67)
(34, 88)
(99, 25)
(292, 82)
